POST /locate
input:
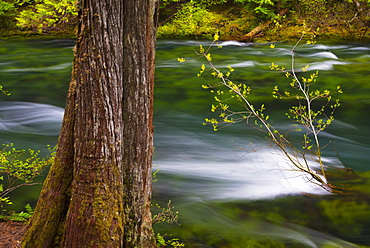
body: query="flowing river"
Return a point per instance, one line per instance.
(226, 195)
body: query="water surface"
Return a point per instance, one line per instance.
(227, 196)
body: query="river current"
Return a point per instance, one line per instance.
(227, 196)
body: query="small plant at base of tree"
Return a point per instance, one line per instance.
(13, 216)
(166, 214)
(162, 242)
(169, 216)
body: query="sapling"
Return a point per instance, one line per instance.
(311, 120)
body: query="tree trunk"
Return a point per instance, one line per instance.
(138, 59)
(98, 191)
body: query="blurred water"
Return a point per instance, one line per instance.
(199, 167)
(32, 118)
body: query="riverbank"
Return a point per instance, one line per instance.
(279, 22)
(30, 35)
(290, 33)
(232, 20)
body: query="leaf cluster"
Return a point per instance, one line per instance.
(19, 168)
(6, 7)
(311, 118)
(162, 242)
(46, 14)
(21, 216)
(5, 92)
(166, 214)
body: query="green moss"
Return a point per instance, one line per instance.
(108, 211)
(49, 215)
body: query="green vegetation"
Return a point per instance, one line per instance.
(282, 222)
(6, 7)
(32, 17)
(162, 242)
(276, 20)
(264, 223)
(258, 20)
(168, 216)
(14, 216)
(191, 20)
(312, 113)
(47, 15)
(19, 168)
(4, 91)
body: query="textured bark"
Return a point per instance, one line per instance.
(49, 216)
(98, 191)
(138, 129)
(95, 215)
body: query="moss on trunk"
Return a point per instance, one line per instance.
(98, 191)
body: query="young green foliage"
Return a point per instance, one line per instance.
(310, 120)
(192, 18)
(162, 242)
(13, 216)
(6, 7)
(20, 167)
(46, 14)
(166, 214)
(4, 91)
(314, 120)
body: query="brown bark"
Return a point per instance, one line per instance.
(98, 191)
(95, 215)
(139, 41)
